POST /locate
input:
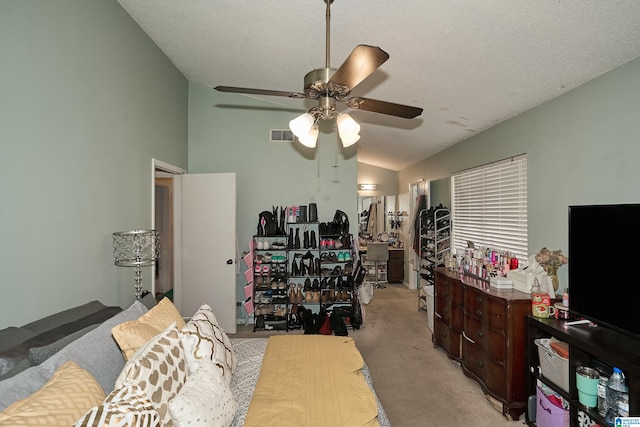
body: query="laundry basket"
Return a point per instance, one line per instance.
(428, 289)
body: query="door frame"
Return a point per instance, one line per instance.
(160, 166)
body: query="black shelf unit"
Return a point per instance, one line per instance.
(333, 277)
(593, 346)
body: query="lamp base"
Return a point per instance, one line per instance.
(138, 284)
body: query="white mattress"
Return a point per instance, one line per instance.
(250, 352)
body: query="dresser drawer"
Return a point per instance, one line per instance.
(491, 374)
(443, 309)
(446, 338)
(443, 286)
(492, 341)
(492, 310)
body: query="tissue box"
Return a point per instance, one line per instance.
(522, 280)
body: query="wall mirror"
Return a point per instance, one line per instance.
(440, 192)
(372, 215)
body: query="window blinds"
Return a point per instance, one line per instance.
(490, 207)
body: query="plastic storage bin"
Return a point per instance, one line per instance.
(548, 414)
(553, 366)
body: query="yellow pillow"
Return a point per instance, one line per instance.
(70, 392)
(133, 334)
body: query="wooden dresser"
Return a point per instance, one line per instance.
(484, 328)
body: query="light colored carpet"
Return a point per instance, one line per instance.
(417, 384)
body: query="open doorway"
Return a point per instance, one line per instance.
(164, 219)
(164, 226)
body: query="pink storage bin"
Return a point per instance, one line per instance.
(248, 306)
(248, 259)
(248, 290)
(248, 275)
(548, 414)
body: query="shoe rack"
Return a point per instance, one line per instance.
(435, 236)
(270, 277)
(303, 267)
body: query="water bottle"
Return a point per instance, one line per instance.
(617, 395)
(602, 393)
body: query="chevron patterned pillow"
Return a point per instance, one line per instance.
(68, 394)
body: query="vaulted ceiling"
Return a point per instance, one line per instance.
(470, 64)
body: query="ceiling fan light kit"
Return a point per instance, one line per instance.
(329, 85)
(310, 138)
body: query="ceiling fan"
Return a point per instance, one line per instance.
(329, 85)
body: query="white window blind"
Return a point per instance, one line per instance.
(490, 207)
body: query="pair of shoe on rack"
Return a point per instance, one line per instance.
(294, 318)
(280, 311)
(295, 293)
(262, 270)
(342, 256)
(333, 295)
(304, 265)
(262, 245)
(278, 283)
(277, 259)
(338, 295)
(309, 240)
(311, 290)
(297, 296)
(263, 282)
(262, 309)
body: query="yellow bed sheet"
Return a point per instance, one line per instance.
(312, 380)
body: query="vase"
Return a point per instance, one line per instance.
(552, 272)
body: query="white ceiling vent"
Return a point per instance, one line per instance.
(280, 135)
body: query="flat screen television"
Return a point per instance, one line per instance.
(604, 256)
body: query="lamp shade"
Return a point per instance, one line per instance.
(347, 126)
(136, 248)
(301, 125)
(349, 139)
(311, 138)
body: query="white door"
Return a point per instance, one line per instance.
(208, 224)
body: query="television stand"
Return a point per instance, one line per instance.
(588, 346)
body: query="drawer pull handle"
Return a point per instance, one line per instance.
(467, 337)
(480, 334)
(479, 300)
(479, 313)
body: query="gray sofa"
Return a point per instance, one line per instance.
(30, 354)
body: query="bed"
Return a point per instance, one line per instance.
(250, 353)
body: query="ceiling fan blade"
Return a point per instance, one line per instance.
(259, 91)
(375, 106)
(363, 61)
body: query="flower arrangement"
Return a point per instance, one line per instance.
(547, 258)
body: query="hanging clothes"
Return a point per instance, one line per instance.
(372, 222)
(421, 203)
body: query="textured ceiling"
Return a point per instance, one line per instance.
(470, 64)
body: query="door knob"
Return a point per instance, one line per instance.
(229, 261)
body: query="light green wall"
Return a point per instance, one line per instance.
(86, 101)
(386, 180)
(582, 148)
(230, 133)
